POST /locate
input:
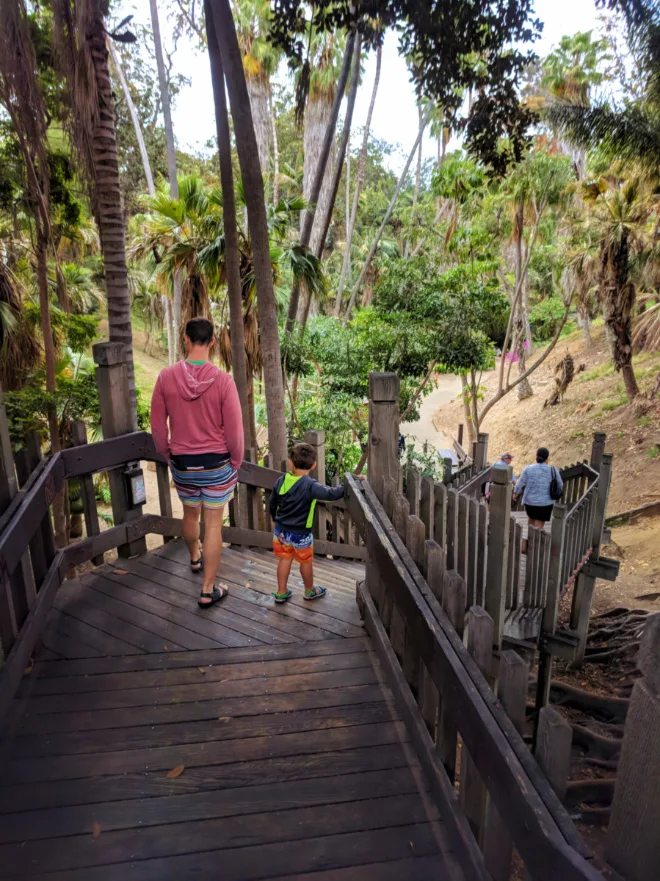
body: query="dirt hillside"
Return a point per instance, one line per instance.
(594, 401)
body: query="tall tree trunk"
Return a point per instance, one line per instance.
(259, 92)
(59, 513)
(345, 138)
(232, 253)
(317, 119)
(62, 291)
(112, 225)
(418, 176)
(171, 160)
(328, 142)
(524, 387)
(169, 328)
(617, 295)
(276, 155)
(385, 221)
(144, 155)
(253, 185)
(359, 178)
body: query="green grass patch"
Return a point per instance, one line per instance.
(653, 452)
(598, 372)
(620, 434)
(613, 404)
(644, 421)
(578, 434)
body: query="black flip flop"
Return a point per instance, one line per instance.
(217, 594)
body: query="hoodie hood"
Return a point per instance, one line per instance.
(192, 380)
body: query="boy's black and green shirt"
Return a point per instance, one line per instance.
(293, 499)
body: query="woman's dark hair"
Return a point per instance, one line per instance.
(303, 456)
(542, 455)
(199, 331)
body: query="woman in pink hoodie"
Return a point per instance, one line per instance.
(204, 447)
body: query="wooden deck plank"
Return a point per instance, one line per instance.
(273, 860)
(199, 673)
(180, 660)
(70, 627)
(178, 839)
(150, 784)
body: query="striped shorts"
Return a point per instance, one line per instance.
(211, 486)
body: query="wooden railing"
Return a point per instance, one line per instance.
(490, 792)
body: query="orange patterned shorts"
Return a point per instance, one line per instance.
(293, 546)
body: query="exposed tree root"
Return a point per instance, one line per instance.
(590, 792)
(611, 709)
(617, 652)
(596, 744)
(607, 764)
(593, 816)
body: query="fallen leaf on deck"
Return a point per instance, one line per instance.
(224, 719)
(248, 584)
(30, 667)
(176, 772)
(120, 571)
(96, 829)
(165, 648)
(412, 846)
(201, 670)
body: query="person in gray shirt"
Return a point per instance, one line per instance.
(534, 485)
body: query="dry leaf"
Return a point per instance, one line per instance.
(30, 667)
(224, 719)
(248, 584)
(120, 571)
(96, 829)
(176, 772)
(201, 670)
(412, 846)
(166, 648)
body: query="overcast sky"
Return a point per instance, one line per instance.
(395, 115)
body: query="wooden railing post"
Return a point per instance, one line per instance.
(453, 602)
(316, 439)
(498, 549)
(383, 429)
(550, 612)
(633, 839)
(597, 450)
(512, 694)
(92, 528)
(553, 748)
(481, 452)
(116, 419)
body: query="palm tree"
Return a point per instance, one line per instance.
(620, 216)
(82, 56)
(629, 132)
(260, 60)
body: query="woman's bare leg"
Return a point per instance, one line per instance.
(191, 531)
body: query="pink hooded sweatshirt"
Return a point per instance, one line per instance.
(204, 412)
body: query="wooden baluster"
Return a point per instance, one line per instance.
(553, 748)
(413, 489)
(46, 531)
(480, 637)
(550, 612)
(512, 695)
(389, 495)
(498, 548)
(452, 529)
(440, 515)
(528, 595)
(461, 562)
(415, 544)
(92, 527)
(401, 514)
(447, 469)
(453, 602)
(481, 552)
(427, 506)
(335, 513)
(511, 566)
(473, 550)
(383, 428)
(597, 450)
(14, 603)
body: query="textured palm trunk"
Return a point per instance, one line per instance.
(59, 512)
(259, 92)
(171, 164)
(359, 178)
(253, 186)
(112, 227)
(276, 155)
(521, 320)
(317, 117)
(232, 253)
(617, 296)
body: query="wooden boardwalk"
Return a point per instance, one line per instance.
(295, 763)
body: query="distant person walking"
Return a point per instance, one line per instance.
(204, 447)
(503, 462)
(541, 486)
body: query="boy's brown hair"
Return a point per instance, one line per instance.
(303, 456)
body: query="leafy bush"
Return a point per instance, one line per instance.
(545, 317)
